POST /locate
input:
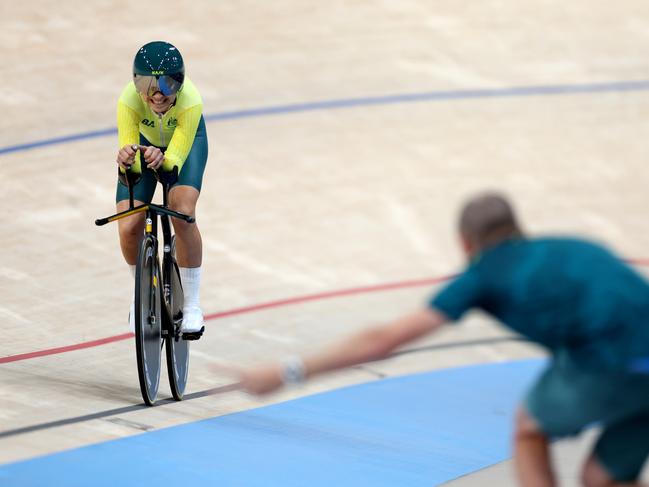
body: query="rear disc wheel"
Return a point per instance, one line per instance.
(177, 349)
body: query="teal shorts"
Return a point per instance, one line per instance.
(191, 173)
(566, 399)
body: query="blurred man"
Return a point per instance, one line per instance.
(589, 309)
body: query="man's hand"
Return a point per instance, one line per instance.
(261, 380)
(153, 157)
(257, 380)
(126, 156)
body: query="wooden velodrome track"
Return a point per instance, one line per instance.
(547, 100)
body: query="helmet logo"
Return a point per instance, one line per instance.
(157, 73)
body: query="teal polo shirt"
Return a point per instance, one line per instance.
(564, 294)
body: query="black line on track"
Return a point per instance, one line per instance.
(464, 343)
(113, 412)
(230, 387)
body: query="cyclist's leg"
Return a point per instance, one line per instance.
(189, 251)
(189, 247)
(183, 198)
(130, 232)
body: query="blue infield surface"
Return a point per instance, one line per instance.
(417, 430)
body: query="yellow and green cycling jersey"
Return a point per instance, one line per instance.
(174, 130)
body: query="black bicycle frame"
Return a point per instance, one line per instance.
(167, 262)
(151, 213)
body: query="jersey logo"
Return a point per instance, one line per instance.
(148, 123)
(172, 122)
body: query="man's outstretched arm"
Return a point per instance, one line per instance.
(372, 344)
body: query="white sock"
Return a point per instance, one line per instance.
(191, 279)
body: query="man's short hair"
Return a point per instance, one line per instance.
(487, 219)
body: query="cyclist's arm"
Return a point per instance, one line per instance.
(128, 129)
(183, 138)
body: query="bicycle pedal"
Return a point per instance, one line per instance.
(193, 335)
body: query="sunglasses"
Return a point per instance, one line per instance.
(166, 84)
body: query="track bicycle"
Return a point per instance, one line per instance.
(158, 293)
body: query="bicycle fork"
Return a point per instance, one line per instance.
(152, 231)
(167, 270)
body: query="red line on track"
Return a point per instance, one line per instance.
(236, 311)
(259, 307)
(67, 348)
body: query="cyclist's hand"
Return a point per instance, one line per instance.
(153, 157)
(126, 156)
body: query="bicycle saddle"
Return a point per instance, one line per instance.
(167, 177)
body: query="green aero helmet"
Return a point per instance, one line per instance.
(158, 66)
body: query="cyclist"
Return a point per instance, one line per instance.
(160, 125)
